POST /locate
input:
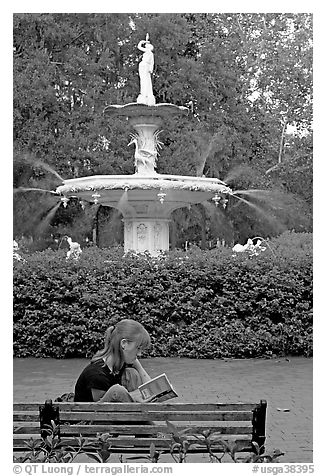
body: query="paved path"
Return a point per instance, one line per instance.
(285, 384)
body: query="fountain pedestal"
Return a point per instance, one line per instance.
(146, 234)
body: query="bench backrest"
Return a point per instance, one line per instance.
(139, 425)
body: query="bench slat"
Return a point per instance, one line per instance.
(143, 415)
(122, 407)
(245, 447)
(139, 442)
(87, 430)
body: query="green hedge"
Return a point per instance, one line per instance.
(200, 304)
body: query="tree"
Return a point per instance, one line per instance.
(247, 77)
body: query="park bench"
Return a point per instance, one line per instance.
(132, 427)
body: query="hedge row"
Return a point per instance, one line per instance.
(200, 304)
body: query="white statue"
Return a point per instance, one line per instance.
(249, 247)
(145, 70)
(146, 152)
(75, 249)
(16, 255)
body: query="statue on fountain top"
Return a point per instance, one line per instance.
(145, 70)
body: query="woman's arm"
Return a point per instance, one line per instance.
(140, 47)
(142, 372)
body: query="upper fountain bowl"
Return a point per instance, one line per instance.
(135, 109)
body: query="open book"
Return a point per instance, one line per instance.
(159, 387)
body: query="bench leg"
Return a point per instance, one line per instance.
(48, 413)
(258, 425)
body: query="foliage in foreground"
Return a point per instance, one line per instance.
(52, 450)
(197, 304)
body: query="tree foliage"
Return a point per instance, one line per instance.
(247, 78)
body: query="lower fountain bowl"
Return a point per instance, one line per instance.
(143, 192)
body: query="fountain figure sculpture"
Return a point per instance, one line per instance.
(145, 69)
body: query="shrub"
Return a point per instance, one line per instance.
(197, 304)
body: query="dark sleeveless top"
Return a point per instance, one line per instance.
(96, 375)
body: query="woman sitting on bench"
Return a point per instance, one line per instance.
(115, 373)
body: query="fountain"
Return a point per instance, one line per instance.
(146, 199)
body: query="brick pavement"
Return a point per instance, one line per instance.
(285, 384)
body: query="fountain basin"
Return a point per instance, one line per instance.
(126, 193)
(146, 202)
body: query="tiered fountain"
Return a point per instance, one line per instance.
(145, 199)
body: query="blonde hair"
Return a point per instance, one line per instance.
(127, 329)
